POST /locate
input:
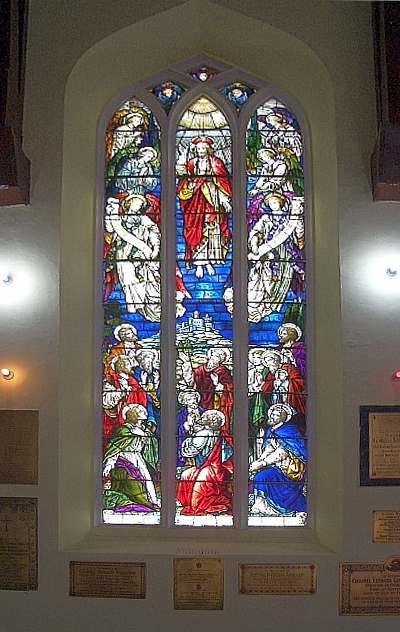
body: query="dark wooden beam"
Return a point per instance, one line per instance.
(385, 162)
(14, 165)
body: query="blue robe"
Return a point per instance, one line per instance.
(282, 492)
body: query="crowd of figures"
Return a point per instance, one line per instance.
(276, 294)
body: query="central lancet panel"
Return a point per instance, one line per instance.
(204, 441)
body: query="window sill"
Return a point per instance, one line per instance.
(201, 541)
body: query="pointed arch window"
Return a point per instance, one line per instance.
(204, 363)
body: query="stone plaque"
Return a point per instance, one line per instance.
(386, 527)
(370, 588)
(18, 544)
(380, 445)
(277, 579)
(125, 580)
(198, 584)
(19, 447)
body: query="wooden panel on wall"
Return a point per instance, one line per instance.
(19, 447)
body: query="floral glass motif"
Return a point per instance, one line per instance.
(132, 312)
(204, 443)
(203, 73)
(237, 93)
(168, 93)
(276, 315)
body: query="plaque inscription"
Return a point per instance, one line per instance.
(386, 527)
(370, 588)
(123, 580)
(198, 584)
(19, 447)
(384, 445)
(18, 544)
(277, 579)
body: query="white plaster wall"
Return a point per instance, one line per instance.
(60, 32)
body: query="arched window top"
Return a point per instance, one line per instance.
(175, 448)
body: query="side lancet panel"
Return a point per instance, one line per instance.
(132, 313)
(276, 273)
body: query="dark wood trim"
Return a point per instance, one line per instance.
(385, 161)
(14, 165)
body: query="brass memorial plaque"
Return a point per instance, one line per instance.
(198, 584)
(277, 579)
(18, 544)
(371, 588)
(386, 527)
(384, 445)
(122, 580)
(19, 447)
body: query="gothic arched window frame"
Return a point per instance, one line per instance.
(238, 125)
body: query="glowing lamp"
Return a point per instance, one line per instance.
(396, 375)
(7, 374)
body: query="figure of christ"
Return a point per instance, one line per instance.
(279, 472)
(121, 389)
(205, 488)
(205, 193)
(128, 482)
(213, 381)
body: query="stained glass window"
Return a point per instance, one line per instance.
(132, 313)
(204, 334)
(168, 93)
(237, 93)
(212, 206)
(276, 310)
(203, 73)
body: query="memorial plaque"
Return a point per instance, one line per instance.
(122, 580)
(19, 447)
(384, 445)
(371, 588)
(380, 445)
(386, 527)
(18, 544)
(198, 584)
(277, 579)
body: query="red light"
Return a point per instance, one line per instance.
(396, 375)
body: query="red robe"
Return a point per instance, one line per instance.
(195, 208)
(137, 395)
(206, 489)
(209, 397)
(296, 395)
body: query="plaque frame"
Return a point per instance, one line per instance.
(365, 479)
(76, 591)
(309, 589)
(190, 601)
(345, 606)
(377, 537)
